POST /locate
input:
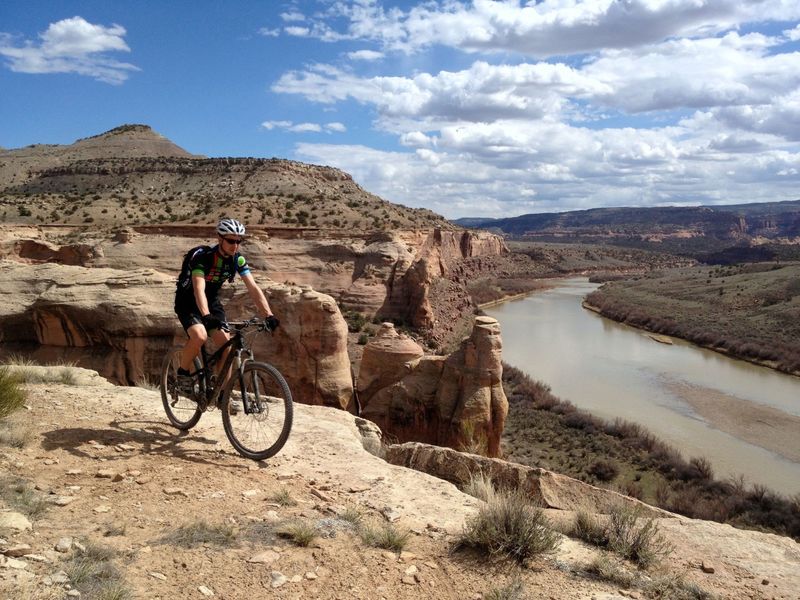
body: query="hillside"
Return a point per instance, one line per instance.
(131, 175)
(108, 497)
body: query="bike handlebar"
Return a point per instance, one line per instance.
(242, 325)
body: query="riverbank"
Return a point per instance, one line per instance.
(750, 313)
(545, 431)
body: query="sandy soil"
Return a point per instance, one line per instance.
(763, 426)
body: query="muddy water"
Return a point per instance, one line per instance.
(744, 418)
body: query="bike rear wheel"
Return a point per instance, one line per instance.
(259, 427)
(182, 411)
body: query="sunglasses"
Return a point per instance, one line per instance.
(232, 241)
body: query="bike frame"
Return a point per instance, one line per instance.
(213, 386)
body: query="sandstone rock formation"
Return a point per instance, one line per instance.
(117, 322)
(547, 488)
(453, 401)
(310, 346)
(121, 323)
(409, 276)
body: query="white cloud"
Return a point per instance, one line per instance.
(71, 46)
(293, 16)
(673, 106)
(332, 127)
(266, 32)
(368, 55)
(550, 27)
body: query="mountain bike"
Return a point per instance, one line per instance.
(253, 397)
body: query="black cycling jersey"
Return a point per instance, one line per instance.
(214, 268)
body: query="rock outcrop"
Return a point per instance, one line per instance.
(121, 323)
(310, 346)
(546, 488)
(455, 401)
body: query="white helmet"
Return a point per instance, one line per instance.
(230, 226)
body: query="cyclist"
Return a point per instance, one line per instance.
(196, 299)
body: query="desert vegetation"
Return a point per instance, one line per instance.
(545, 431)
(747, 311)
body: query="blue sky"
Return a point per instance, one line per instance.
(469, 108)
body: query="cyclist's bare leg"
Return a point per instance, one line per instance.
(197, 337)
(220, 337)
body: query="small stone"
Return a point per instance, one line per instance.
(61, 500)
(17, 550)
(409, 580)
(412, 570)
(278, 579)
(105, 474)
(64, 545)
(707, 567)
(13, 563)
(174, 491)
(311, 576)
(296, 579)
(266, 558)
(765, 582)
(157, 575)
(205, 591)
(144, 479)
(61, 577)
(75, 472)
(49, 461)
(251, 493)
(14, 520)
(37, 558)
(74, 594)
(102, 509)
(118, 477)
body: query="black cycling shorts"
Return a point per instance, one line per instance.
(189, 314)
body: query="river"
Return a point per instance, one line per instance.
(699, 401)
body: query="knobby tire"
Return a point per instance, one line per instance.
(262, 391)
(182, 411)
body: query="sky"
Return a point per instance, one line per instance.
(470, 108)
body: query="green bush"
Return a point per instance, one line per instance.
(12, 396)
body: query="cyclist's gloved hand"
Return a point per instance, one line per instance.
(271, 323)
(211, 322)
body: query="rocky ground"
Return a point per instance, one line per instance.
(103, 476)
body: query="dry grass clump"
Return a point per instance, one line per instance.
(300, 532)
(27, 371)
(202, 532)
(20, 496)
(283, 498)
(12, 396)
(514, 590)
(386, 536)
(509, 526)
(623, 534)
(92, 572)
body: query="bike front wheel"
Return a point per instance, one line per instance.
(182, 410)
(257, 411)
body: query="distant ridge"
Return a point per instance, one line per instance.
(674, 229)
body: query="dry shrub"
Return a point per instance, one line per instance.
(603, 470)
(509, 526)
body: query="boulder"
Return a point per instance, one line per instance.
(548, 489)
(455, 401)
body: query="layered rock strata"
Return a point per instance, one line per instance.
(121, 323)
(455, 401)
